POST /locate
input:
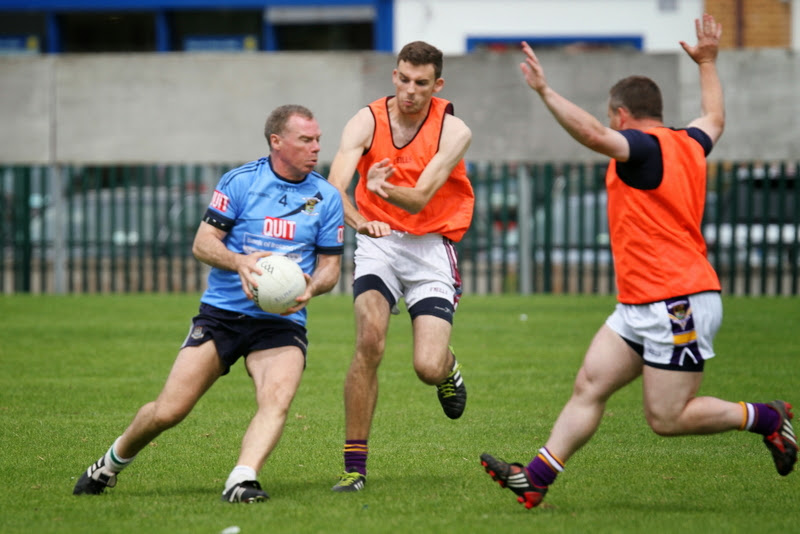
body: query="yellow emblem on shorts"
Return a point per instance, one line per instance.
(680, 314)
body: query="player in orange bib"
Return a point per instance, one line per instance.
(669, 304)
(412, 201)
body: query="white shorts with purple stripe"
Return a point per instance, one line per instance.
(676, 333)
(412, 267)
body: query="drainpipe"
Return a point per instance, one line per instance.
(739, 23)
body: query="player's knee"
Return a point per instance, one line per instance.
(275, 398)
(165, 417)
(587, 389)
(273, 408)
(582, 386)
(431, 372)
(663, 424)
(425, 374)
(370, 346)
(366, 360)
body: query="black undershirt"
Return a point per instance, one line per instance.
(644, 168)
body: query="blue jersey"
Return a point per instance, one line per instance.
(260, 210)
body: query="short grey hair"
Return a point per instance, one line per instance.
(276, 122)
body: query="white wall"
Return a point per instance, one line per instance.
(447, 23)
(796, 25)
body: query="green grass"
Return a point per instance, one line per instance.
(74, 369)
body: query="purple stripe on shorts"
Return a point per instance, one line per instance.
(453, 257)
(683, 332)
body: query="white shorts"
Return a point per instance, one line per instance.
(676, 333)
(412, 267)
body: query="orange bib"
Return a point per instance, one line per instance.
(449, 212)
(656, 236)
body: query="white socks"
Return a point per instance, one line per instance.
(114, 462)
(239, 474)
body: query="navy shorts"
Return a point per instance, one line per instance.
(236, 335)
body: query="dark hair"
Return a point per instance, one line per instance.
(276, 122)
(421, 53)
(639, 95)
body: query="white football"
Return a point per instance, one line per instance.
(280, 283)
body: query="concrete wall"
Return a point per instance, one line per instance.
(132, 108)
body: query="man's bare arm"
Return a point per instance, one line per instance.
(455, 140)
(712, 120)
(579, 123)
(209, 247)
(356, 137)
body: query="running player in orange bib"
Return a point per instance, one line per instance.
(669, 304)
(412, 201)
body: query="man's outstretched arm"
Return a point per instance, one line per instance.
(704, 53)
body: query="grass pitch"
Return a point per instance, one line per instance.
(74, 369)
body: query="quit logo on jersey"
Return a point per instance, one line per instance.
(279, 228)
(220, 201)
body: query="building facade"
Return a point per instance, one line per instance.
(455, 26)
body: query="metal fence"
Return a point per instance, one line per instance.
(537, 228)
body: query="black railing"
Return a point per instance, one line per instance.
(536, 228)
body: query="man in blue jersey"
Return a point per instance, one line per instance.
(275, 205)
